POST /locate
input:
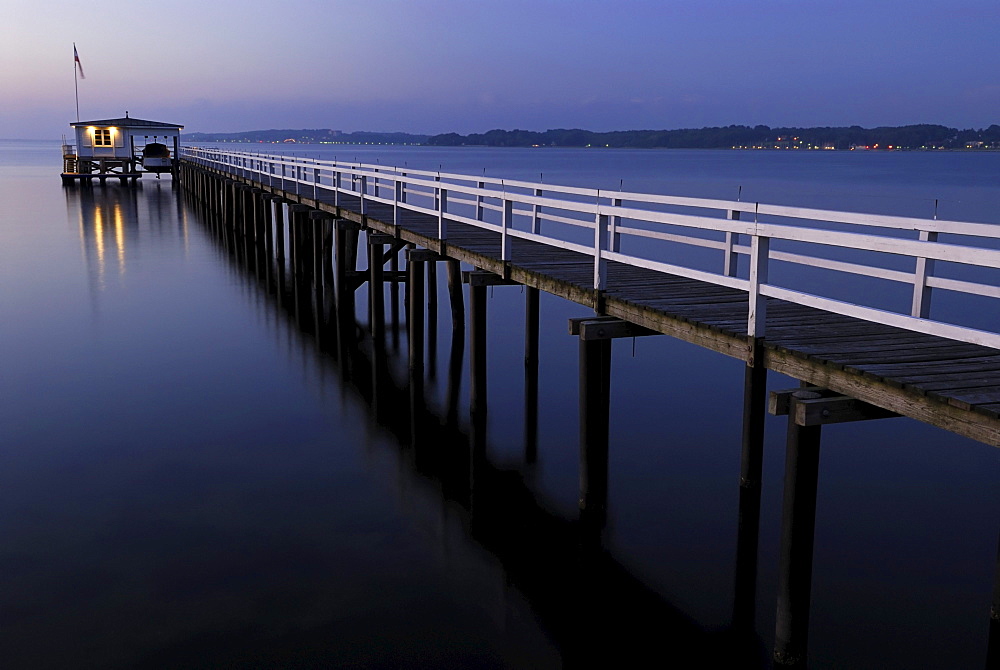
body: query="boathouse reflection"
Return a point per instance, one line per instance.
(110, 220)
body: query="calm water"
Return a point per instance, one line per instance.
(188, 480)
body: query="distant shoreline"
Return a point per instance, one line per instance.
(912, 137)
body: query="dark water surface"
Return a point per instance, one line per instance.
(187, 480)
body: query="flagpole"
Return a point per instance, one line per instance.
(76, 82)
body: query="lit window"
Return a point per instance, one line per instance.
(102, 137)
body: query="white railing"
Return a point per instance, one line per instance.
(656, 227)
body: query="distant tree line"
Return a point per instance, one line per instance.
(924, 136)
(307, 136)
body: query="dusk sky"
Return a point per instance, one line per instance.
(433, 66)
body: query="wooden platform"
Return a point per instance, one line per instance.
(949, 384)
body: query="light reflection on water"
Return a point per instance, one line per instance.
(187, 480)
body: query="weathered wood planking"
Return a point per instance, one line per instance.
(948, 384)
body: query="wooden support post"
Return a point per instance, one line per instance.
(229, 202)
(751, 465)
(249, 216)
(262, 226)
(432, 319)
(531, 375)
(308, 246)
(279, 234)
(219, 195)
(454, 376)
(353, 241)
(267, 206)
(345, 250)
(380, 407)
(798, 524)
(256, 217)
(406, 287)
(296, 224)
(244, 224)
(345, 331)
(327, 252)
(298, 216)
(595, 395)
(376, 287)
(259, 238)
(394, 299)
(455, 295)
(237, 197)
(318, 222)
(808, 409)
(415, 340)
(477, 350)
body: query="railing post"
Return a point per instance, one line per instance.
(442, 210)
(402, 188)
(759, 249)
(298, 179)
(336, 186)
(921, 307)
(397, 199)
(508, 221)
(600, 246)
(614, 237)
(316, 184)
(364, 191)
(437, 194)
(731, 261)
(536, 214)
(479, 201)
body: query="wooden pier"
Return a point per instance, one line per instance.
(880, 358)
(855, 362)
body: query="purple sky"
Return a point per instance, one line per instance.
(432, 66)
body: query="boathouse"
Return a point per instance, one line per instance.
(121, 148)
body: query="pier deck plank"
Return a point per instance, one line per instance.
(952, 385)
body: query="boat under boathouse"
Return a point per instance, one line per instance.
(123, 148)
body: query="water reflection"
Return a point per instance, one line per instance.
(590, 604)
(112, 219)
(102, 221)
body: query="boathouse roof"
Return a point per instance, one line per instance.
(127, 122)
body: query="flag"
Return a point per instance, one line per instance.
(76, 59)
